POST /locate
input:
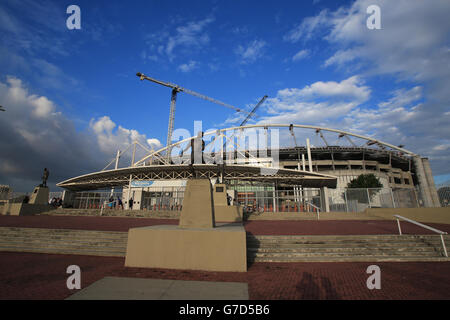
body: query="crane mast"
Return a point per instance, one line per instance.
(173, 101)
(253, 111)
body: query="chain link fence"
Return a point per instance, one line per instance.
(444, 195)
(164, 198)
(94, 200)
(267, 199)
(358, 200)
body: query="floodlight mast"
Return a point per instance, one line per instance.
(173, 101)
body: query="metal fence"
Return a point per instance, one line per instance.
(444, 195)
(94, 200)
(55, 194)
(267, 199)
(262, 199)
(164, 198)
(358, 200)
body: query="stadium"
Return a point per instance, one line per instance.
(310, 176)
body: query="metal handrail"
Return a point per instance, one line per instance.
(314, 206)
(441, 233)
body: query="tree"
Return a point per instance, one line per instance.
(365, 181)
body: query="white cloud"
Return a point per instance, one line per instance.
(187, 67)
(302, 54)
(320, 101)
(408, 44)
(306, 29)
(413, 47)
(36, 135)
(251, 52)
(191, 35)
(110, 140)
(154, 143)
(352, 87)
(398, 111)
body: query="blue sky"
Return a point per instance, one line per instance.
(316, 60)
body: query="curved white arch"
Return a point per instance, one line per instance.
(222, 131)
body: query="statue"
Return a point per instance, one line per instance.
(197, 148)
(45, 177)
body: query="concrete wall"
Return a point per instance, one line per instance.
(25, 209)
(431, 215)
(214, 249)
(228, 213)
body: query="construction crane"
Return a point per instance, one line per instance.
(253, 111)
(175, 90)
(249, 115)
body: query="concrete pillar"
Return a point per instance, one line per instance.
(325, 199)
(303, 162)
(309, 155)
(137, 200)
(430, 181)
(423, 184)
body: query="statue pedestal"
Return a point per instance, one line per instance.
(39, 196)
(198, 205)
(222, 211)
(170, 247)
(37, 204)
(196, 244)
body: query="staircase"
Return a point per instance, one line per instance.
(113, 213)
(364, 248)
(63, 241)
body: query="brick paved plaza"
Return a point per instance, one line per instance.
(42, 276)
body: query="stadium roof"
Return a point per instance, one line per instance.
(122, 177)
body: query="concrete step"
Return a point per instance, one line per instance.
(352, 259)
(114, 213)
(341, 245)
(341, 254)
(42, 232)
(65, 246)
(361, 241)
(347, 238)
(72, 237)
(327, 250)
(64, 241)
(63, 251)
(345, 248)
